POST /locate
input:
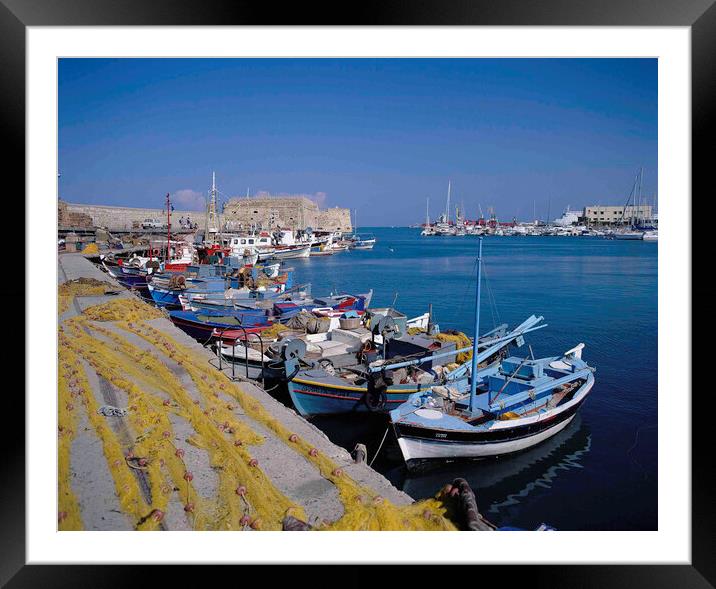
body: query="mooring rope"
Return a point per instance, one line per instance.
(379, 447)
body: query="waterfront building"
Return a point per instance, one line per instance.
(616, 215)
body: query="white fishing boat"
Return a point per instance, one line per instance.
(288, 252)
(358, 242)
(513, 404)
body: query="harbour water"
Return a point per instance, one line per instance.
(600, 473)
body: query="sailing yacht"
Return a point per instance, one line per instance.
(428, 230)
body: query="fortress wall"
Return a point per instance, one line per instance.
(125, 217)
(296, 212)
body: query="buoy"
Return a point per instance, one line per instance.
(188, 476)
(179, 453)
(313, 452)
(245, 520)
(189, 507)
(241, 490)
(337, 472)
(253, 462)
(293, 438)
(166, 434)
(238, 443)
(157, 515)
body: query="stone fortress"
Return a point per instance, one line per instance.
(239, 214)
(286, 212)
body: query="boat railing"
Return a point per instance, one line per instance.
(246, 349)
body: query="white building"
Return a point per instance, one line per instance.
(609, 215)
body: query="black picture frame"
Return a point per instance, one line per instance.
(16, 15)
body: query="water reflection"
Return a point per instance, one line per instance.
(499, 483)
(507, 481)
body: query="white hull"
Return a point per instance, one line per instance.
(422, 449)
(302, 252)
(634, 236)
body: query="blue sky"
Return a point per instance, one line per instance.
(377, 135)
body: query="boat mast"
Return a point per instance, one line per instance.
(447, 206)
(473, 369)
(427, 213)
(169, 227)
(212, 217)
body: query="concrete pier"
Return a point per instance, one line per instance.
(291, 472)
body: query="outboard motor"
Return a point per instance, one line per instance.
(292, 352)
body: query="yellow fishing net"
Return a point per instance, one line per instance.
(461, 341)
(90, 248)
(82, 287)
(149, 468)
(273, 332)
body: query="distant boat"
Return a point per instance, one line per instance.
(628, 235)
(360, 243)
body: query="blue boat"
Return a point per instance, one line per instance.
(166, 289)
(379, 385)
(512, 404)
(201, 325)
(130, 281)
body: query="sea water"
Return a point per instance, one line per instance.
(600, 473)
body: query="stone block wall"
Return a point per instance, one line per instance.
(295, 212)
(124, 218)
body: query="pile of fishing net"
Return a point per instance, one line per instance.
(460, 340)
(273, 332)
(90, 248)
(308, 322)
(129, 309)
(81, 287)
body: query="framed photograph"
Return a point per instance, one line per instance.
(381, 217)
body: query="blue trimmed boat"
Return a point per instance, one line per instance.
(201, 325)
(343, 385)
(511, 405)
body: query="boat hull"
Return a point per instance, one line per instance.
(286, 254)
(417, 450)
(636, 236)
(204, 331)
(316, 398)
(419, 444)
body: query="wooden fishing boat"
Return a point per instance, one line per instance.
(512, 404)
(371, 376)
(201, 325)
(286, 252)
